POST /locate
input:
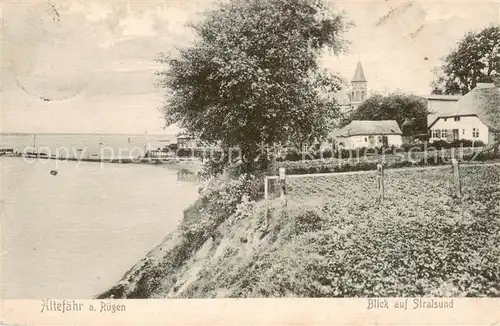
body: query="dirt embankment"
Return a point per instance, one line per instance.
(180, 266)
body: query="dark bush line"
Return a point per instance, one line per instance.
(312, 167)
(443, 144)
(293, 155)
(457, 143)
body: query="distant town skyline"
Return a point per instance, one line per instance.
(89, 67)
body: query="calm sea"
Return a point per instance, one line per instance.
(75, 234)
(85, 145)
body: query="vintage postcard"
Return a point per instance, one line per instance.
(264, 162)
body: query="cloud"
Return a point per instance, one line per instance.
(393, 54)
(97, 61)
(95, 66)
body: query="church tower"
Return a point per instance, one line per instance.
(359, 87)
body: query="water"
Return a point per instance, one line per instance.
(67, 145)
(75, 234)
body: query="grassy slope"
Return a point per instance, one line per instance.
(421, 241)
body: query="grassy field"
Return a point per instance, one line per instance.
(420, 241)
(412, 184)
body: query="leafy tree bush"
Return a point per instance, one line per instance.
(219, 199)
(253, 76)
(399, 107)
(475, 59)
(173, 147)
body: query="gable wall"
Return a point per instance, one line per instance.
(465, 129)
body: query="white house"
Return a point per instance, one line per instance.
(365, 133)
(475, 117)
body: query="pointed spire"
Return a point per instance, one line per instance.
(359, 75)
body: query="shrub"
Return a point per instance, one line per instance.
(184, 152)
(219, 199)
(214, 165)
(443, 144)
(173, 147)
(363, 163)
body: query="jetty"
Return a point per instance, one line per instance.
(120, 160)
(5, 151)
(151, 157)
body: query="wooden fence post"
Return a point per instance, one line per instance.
(266, 200)
(282, 172)
(457, 186)
(380, 182)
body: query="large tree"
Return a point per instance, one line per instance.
(252, 76)
(399, 107)
(475, 59)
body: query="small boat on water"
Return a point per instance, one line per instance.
(53, 172)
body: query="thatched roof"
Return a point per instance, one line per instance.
(370, 127)
(483, 101)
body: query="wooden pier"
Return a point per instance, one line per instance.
(6, 151)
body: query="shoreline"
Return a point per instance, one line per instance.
(193, 165)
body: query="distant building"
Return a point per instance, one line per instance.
(4, 151)
(409, 127)
(365, 133)
(159, 153)
(439, 104)
(187, 142)
(152, 146)
(414, 131)
(350, 99)
(475, 116)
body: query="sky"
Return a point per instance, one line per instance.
(95, 60)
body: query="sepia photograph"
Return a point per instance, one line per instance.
(250, 149)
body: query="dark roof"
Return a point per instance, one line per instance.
(359, 74)
(409, 123)
(369, 127)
